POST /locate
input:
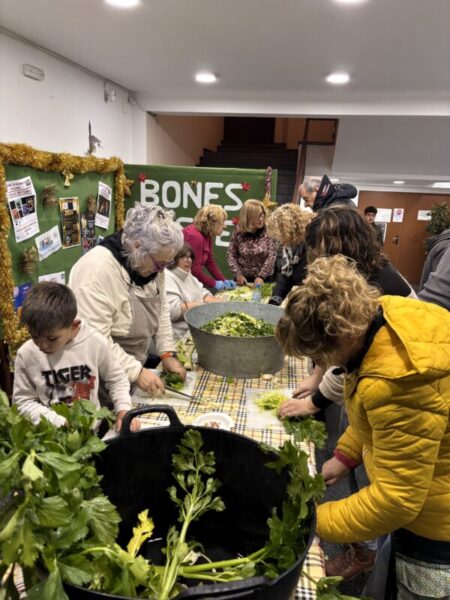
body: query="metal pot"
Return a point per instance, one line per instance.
(137, 471)
(235, 356)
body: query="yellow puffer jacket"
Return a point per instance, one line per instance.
(398, 406)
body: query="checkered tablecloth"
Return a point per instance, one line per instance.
(223, 394)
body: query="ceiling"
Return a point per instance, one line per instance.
(271, 56)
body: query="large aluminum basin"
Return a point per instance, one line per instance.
(235, 356)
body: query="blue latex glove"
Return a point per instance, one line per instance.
(220, 285)
(230, 284)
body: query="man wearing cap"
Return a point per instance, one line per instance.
(322, 193)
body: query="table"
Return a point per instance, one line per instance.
(215, 393)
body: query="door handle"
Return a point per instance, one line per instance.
(395, 239)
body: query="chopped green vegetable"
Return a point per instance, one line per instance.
(244, 293)
(173, 380)
(239, 325)
(271, 400)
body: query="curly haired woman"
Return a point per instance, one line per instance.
(287, 226)
(208, 222)
(251, 254)
(395, 353)
(342, 230)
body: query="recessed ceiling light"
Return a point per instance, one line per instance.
(205, 77)
(441, 184)
(338, 78)
(398, 182)
(123, 3)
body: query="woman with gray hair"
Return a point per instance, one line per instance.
(120, 289)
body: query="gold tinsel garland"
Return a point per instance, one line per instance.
(23, 155)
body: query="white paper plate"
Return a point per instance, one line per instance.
(215, 420)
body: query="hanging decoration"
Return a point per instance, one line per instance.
(194, 183)
(246, 186)
(127, 186)
(23, 155)
(48, 196)
(142, 177)
(29, 261)
(93, 142)
(68, 176)
(267, 200)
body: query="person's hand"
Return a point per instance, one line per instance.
(310, 384)
(230, 284)
(333, 471)
(172, 365)
(240, 280)
(185, 306)
(219, 286)
(212, 299)
(149, 382)
(297, 408)
(259, 281)
(135, 424)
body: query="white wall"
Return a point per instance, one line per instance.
(53, 114)
(418, 147)
(180, 140)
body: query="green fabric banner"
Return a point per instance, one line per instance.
(186, 189)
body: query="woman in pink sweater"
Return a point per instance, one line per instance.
(208, 222)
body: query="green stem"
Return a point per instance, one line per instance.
(171, 570)
(232, 562)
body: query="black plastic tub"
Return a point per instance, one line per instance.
(137, 471)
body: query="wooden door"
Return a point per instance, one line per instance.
(404, 242)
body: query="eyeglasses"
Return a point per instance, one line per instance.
(187, 257)
(163, 264)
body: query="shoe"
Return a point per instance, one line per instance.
(356, 559)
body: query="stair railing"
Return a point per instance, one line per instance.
(301, 162)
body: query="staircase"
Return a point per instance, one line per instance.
(257, 156)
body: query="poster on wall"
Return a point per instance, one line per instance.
(20, 292)
(103, 205)
(70, 220)
(88, 239)
(424, 215)
(48, 243)
(22, 207)
(59, 277)
(397, 217)
(384, 215)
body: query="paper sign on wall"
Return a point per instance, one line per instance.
(397, 217)
(424, 215)
(59, 277)
(22, 206)
(384, 215)
(49, 242)
(103, 205)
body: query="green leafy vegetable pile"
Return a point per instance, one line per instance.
(271, 400)
(51, 504)
(244, 293)
(173, 380)
(239, 325)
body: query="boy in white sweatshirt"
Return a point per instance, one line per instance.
(64, 359)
